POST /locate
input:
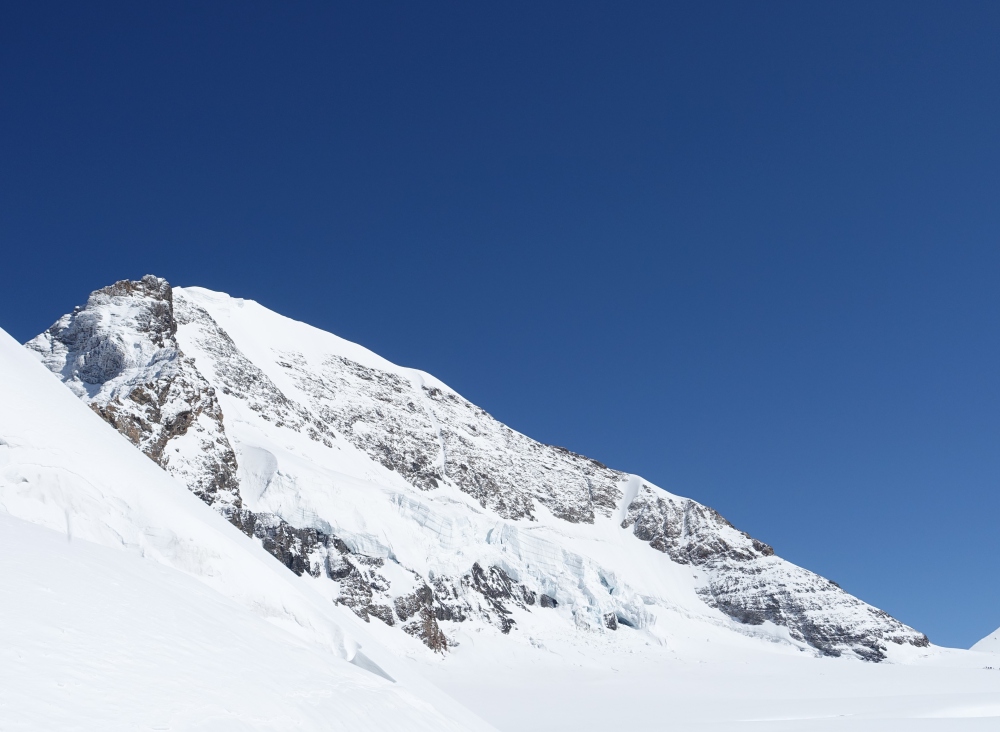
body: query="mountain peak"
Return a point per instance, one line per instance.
(414, 507)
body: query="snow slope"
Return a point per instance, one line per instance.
(129, 603)
(989, 644)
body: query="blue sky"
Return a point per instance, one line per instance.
(749, 251)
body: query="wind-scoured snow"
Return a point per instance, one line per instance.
(130, 604)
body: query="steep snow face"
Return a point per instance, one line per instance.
(989, 644)
(125, 595)
(411, 505)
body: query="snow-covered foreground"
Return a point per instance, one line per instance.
(726, 688)
(129, 604)
(96, 638)
(93, 638)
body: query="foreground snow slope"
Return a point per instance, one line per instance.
(412, 505)
(94, 638)
(130, 604)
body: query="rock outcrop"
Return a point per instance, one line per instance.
(749, 584)
(119, 353)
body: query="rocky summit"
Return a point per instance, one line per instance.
(412, 506)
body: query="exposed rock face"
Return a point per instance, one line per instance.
(748, 583)
(121, 353)
(488, 594)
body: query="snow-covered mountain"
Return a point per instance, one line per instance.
(413, 507)
(129, 604)
(989, 644)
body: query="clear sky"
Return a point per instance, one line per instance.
(750, 251)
